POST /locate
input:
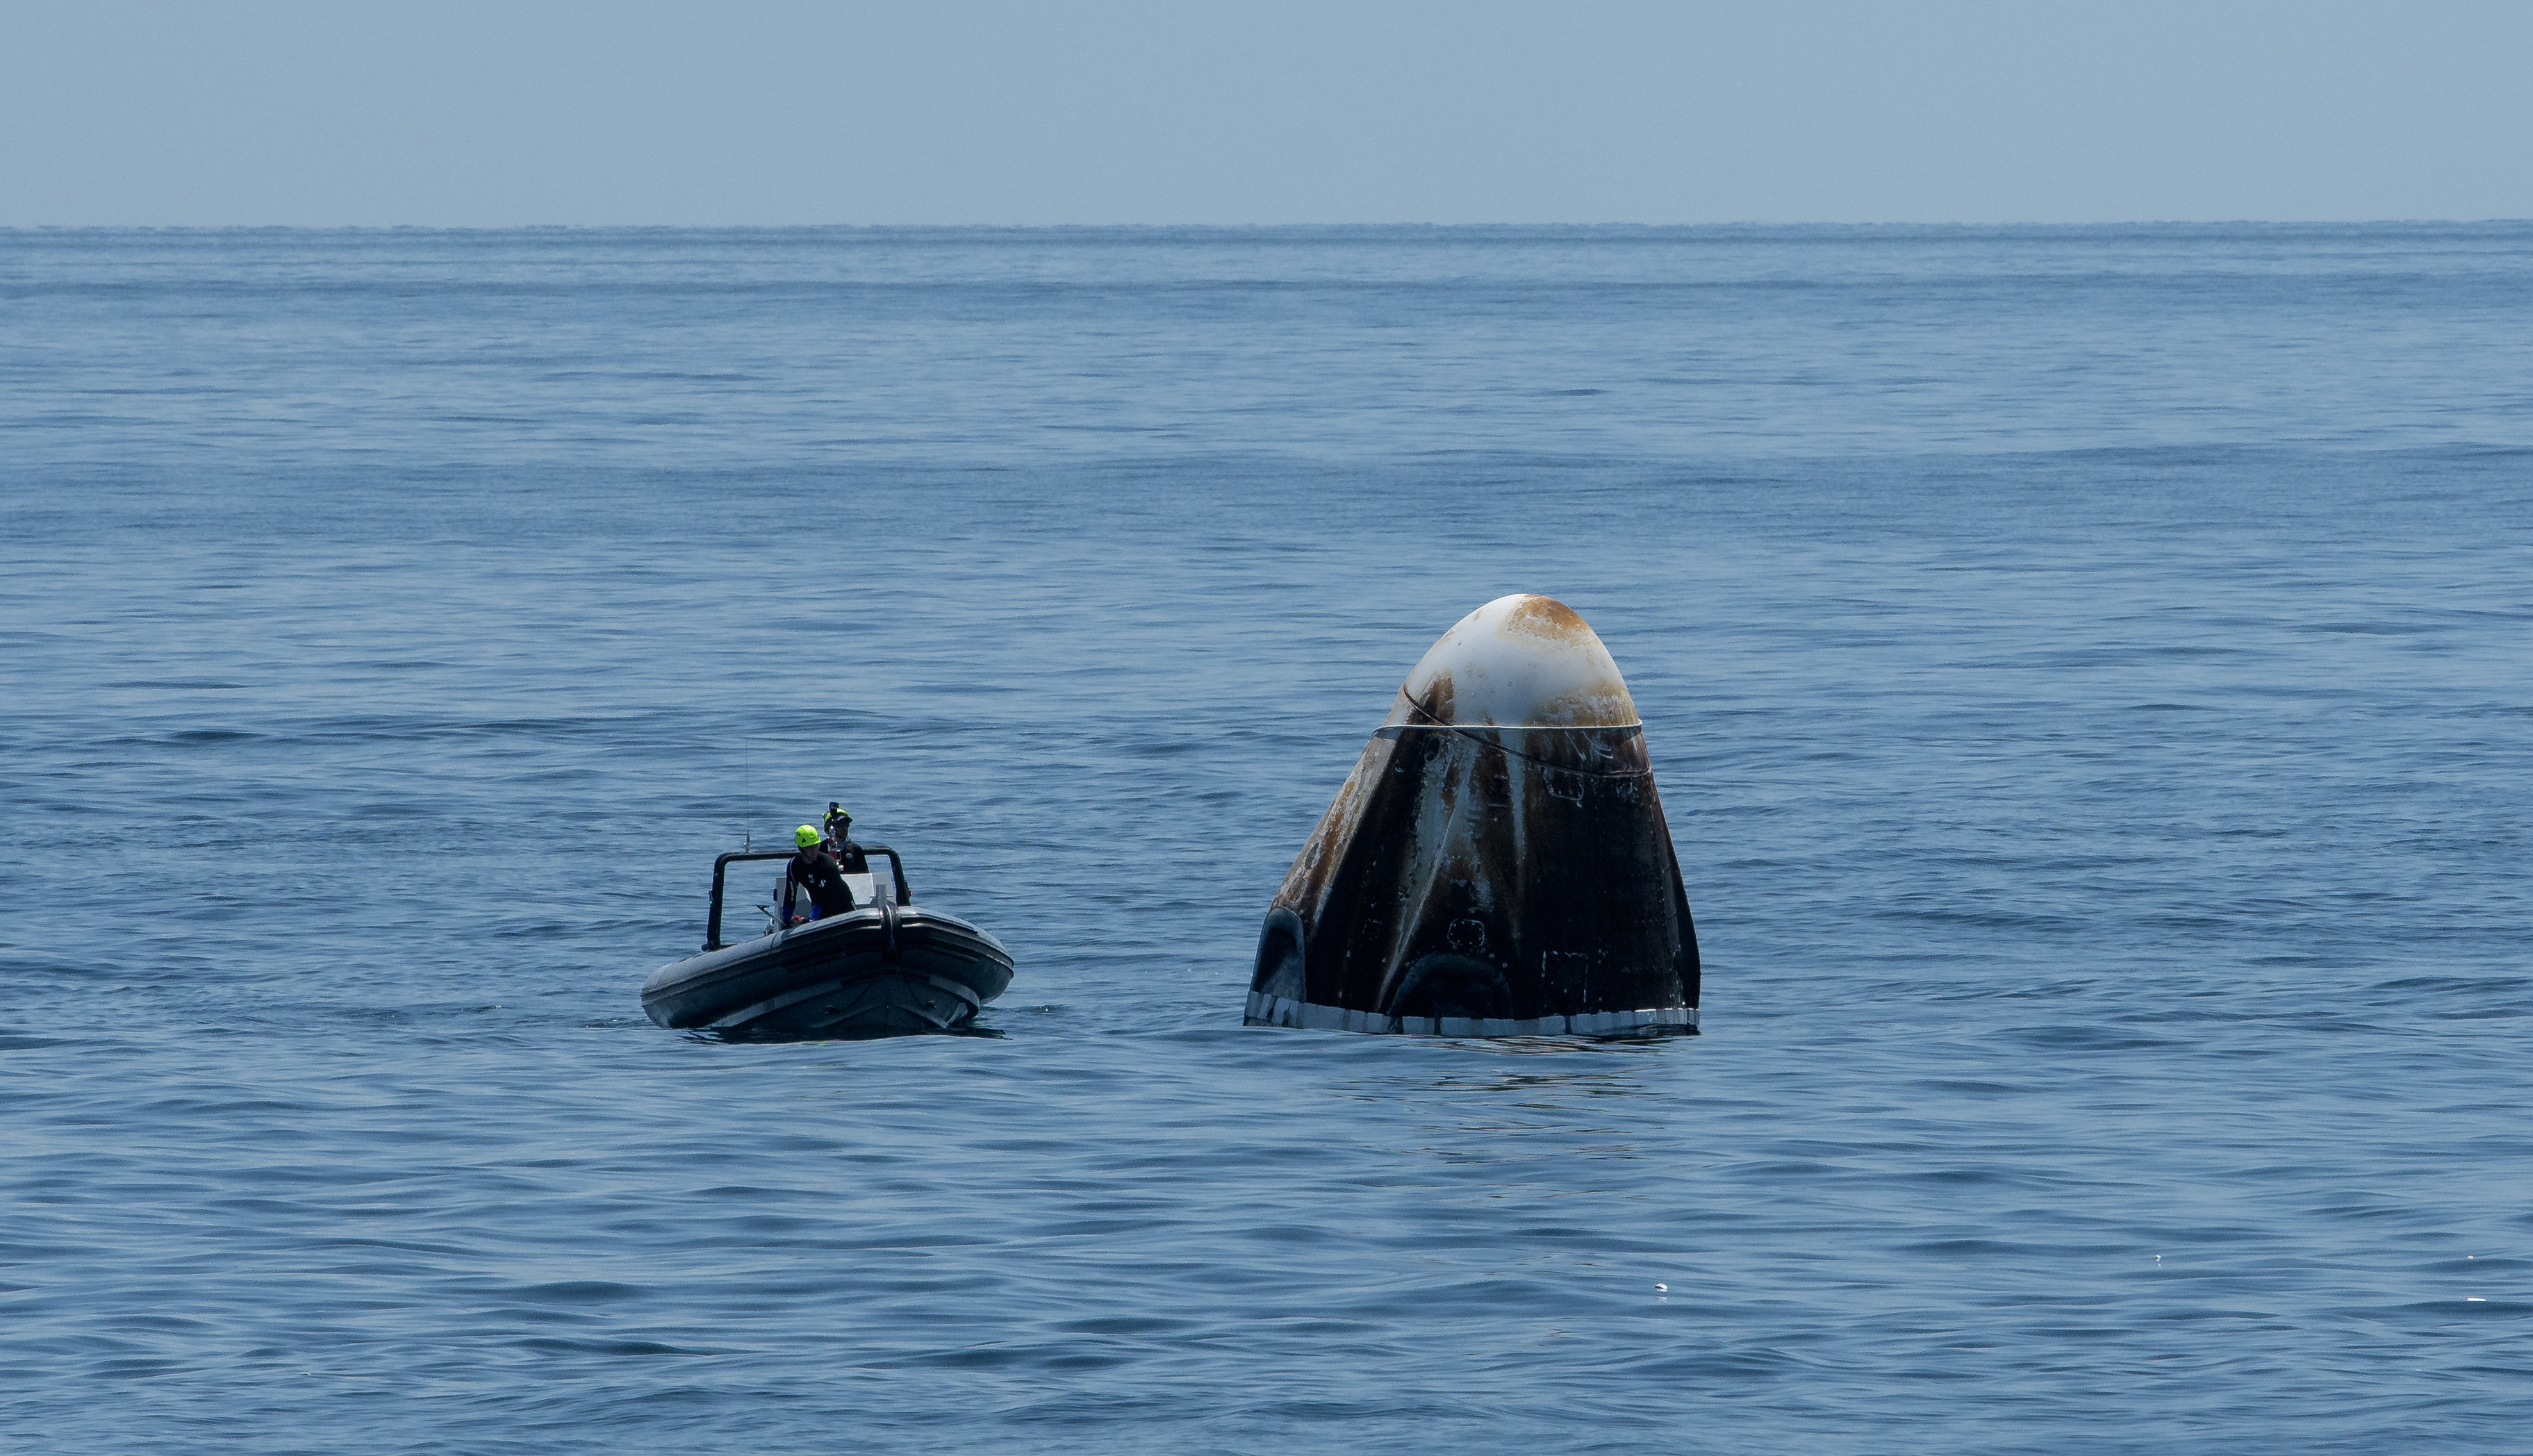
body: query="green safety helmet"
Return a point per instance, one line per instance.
(805, 837)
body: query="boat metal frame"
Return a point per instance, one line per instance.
(723, 862)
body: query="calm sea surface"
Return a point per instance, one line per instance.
(2090, 674)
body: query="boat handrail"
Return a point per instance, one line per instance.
(712, 922)
(721, 863)
(896, 867)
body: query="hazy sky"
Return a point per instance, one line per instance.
(628, 112)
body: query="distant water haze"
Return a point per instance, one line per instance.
(477, 114)
(2085, 670)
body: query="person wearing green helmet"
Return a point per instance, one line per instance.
(814, 869)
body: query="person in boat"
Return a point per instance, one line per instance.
(815, 868)
(840, 840)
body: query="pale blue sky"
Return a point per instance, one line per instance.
(471, 114)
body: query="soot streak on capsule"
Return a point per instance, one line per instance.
(1497, 864)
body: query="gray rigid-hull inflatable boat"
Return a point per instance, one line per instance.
(883, 968)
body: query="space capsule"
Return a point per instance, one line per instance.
(1497, 864)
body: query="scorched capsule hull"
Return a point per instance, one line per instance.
(1497, 864)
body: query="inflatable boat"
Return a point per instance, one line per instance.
(882, 968)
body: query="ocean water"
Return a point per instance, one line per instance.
(2085, 670)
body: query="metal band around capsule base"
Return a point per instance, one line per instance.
(1399, 730)
(1275, 1011)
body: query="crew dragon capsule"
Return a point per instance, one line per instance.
(1497, 864)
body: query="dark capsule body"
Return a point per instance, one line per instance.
(1497, 864)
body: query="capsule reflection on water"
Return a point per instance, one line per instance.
(1497, 864)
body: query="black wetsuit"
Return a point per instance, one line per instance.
(815, 871)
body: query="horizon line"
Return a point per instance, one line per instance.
(1743, 224)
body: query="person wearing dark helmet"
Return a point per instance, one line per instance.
(814, 869)
(840, 838)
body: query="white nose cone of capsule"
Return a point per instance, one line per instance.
(1521, 660)
(1497, 864)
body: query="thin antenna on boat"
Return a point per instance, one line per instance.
(747, 797)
